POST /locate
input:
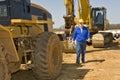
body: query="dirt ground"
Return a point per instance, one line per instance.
(101, 64)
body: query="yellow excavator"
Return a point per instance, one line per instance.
(94, 18)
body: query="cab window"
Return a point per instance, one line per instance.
(17, 0)
(3, 10)
(2, 0)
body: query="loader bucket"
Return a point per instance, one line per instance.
(7, 42)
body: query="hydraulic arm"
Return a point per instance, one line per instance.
(69, 17)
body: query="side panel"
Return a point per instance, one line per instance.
(39, 13)
(21, 8)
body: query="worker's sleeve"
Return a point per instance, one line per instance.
(74, 34)
(88, 34)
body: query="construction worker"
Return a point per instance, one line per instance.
(81, 34)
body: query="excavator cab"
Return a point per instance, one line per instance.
(98, 16)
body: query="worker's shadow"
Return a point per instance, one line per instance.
(100, 61)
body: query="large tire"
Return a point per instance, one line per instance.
(4, 75)
(47, 57)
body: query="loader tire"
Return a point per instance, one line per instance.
(3, 66)
(47, 56)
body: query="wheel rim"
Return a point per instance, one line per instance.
(55, 57)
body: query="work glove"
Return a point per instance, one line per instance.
(88, 40)
(73, 42)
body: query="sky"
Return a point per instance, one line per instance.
(58, 10)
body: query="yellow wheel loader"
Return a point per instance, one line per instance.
(27, 41)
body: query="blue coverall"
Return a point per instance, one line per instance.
(81, 35)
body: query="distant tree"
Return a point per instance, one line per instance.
(114, 26)
(59, 28)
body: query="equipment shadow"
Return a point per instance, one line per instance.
(112, 46)
(72, 72)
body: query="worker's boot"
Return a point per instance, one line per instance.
(77, 62)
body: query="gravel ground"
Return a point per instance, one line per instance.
(101, 64)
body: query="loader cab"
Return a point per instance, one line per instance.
(98, 17)
(4, 12)
(14, 9)
(3, 8)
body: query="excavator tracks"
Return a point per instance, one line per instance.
(102, 39)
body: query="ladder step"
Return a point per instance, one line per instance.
(27, 36)
(29, 50)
